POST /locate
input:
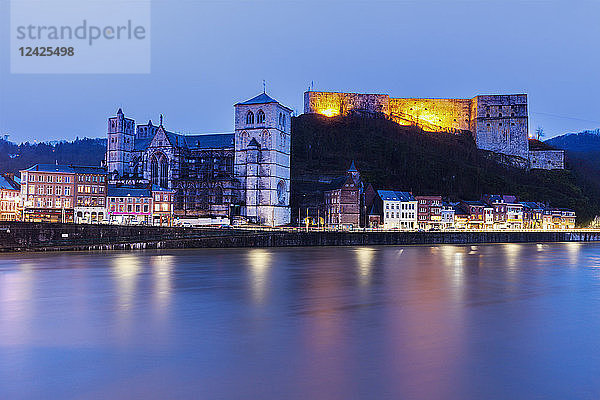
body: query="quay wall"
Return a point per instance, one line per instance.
(21, 236)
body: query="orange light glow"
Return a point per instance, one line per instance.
(329, 112)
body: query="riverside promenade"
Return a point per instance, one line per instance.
(23, 236)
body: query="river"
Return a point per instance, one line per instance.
(507, 321)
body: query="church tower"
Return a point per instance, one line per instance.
(262, 159)
(121, 135)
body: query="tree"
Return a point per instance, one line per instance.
(539, 132)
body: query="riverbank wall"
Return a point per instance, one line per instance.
(22, 236)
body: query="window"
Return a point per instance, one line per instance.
(260, 117)
(249, 118)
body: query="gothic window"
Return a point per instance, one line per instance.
(249, 118)
(164, 173)
(154, 170)
(281, 192)
(260, 117)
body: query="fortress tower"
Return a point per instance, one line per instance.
(262, 159)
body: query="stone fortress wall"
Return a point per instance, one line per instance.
(499, 123)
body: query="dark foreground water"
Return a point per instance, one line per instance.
(446, 322)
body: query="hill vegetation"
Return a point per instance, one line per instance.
(14, 158)
(391, 156)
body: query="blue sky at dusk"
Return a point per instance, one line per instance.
(208, 55)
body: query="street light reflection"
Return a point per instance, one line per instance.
(365, 257)
(260, 262)
(125, 271)
(162, 270)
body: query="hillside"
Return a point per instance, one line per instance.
(398, 157)
(582, 142)
(14, 158)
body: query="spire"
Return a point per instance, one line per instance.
(161, 119)
(149, 122)
(264, 87)
(352, 167)
(120, 112)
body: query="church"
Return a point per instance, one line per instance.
(245, 173)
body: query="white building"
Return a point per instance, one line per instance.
(399, 209)
(262, 159)
(447, 216)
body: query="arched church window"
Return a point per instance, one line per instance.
(154, 170)
(260, 117)
(281, 192)
(164, 173)
(249, 118)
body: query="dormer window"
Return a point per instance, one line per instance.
(249, 118)
(260, 117)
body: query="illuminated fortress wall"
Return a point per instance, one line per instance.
(499, 123)
(432, 114)
(332, 104)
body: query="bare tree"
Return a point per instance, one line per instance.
(539, 133)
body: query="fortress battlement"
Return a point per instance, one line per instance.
(498, 122)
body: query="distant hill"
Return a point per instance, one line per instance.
(582, 142)
(582, 149)
(392, 156)
(14, 158)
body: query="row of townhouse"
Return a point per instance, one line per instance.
(492, 212)
(10, 199)
(82, 194)
(348, 202)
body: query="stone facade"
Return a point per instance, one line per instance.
(244, 173)
(499, 123)
(547, 159)
(262, 159)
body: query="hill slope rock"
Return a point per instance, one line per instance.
(391, 156)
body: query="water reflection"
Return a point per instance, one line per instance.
(162, 270)
(365, 257)
(125, 273)
(259, 263)
(418, 322)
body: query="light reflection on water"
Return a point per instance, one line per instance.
(422, 322)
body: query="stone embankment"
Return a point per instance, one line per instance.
(20, 236)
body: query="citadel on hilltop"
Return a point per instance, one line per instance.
(499, 123)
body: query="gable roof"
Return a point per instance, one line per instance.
(70, 169)
(9, 184)
(127, 191)
(393, 195)
(262, 98)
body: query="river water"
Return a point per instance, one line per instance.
(512, 321)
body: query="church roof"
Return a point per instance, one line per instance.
(141, 144)
(262, 98)
(209, 140)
